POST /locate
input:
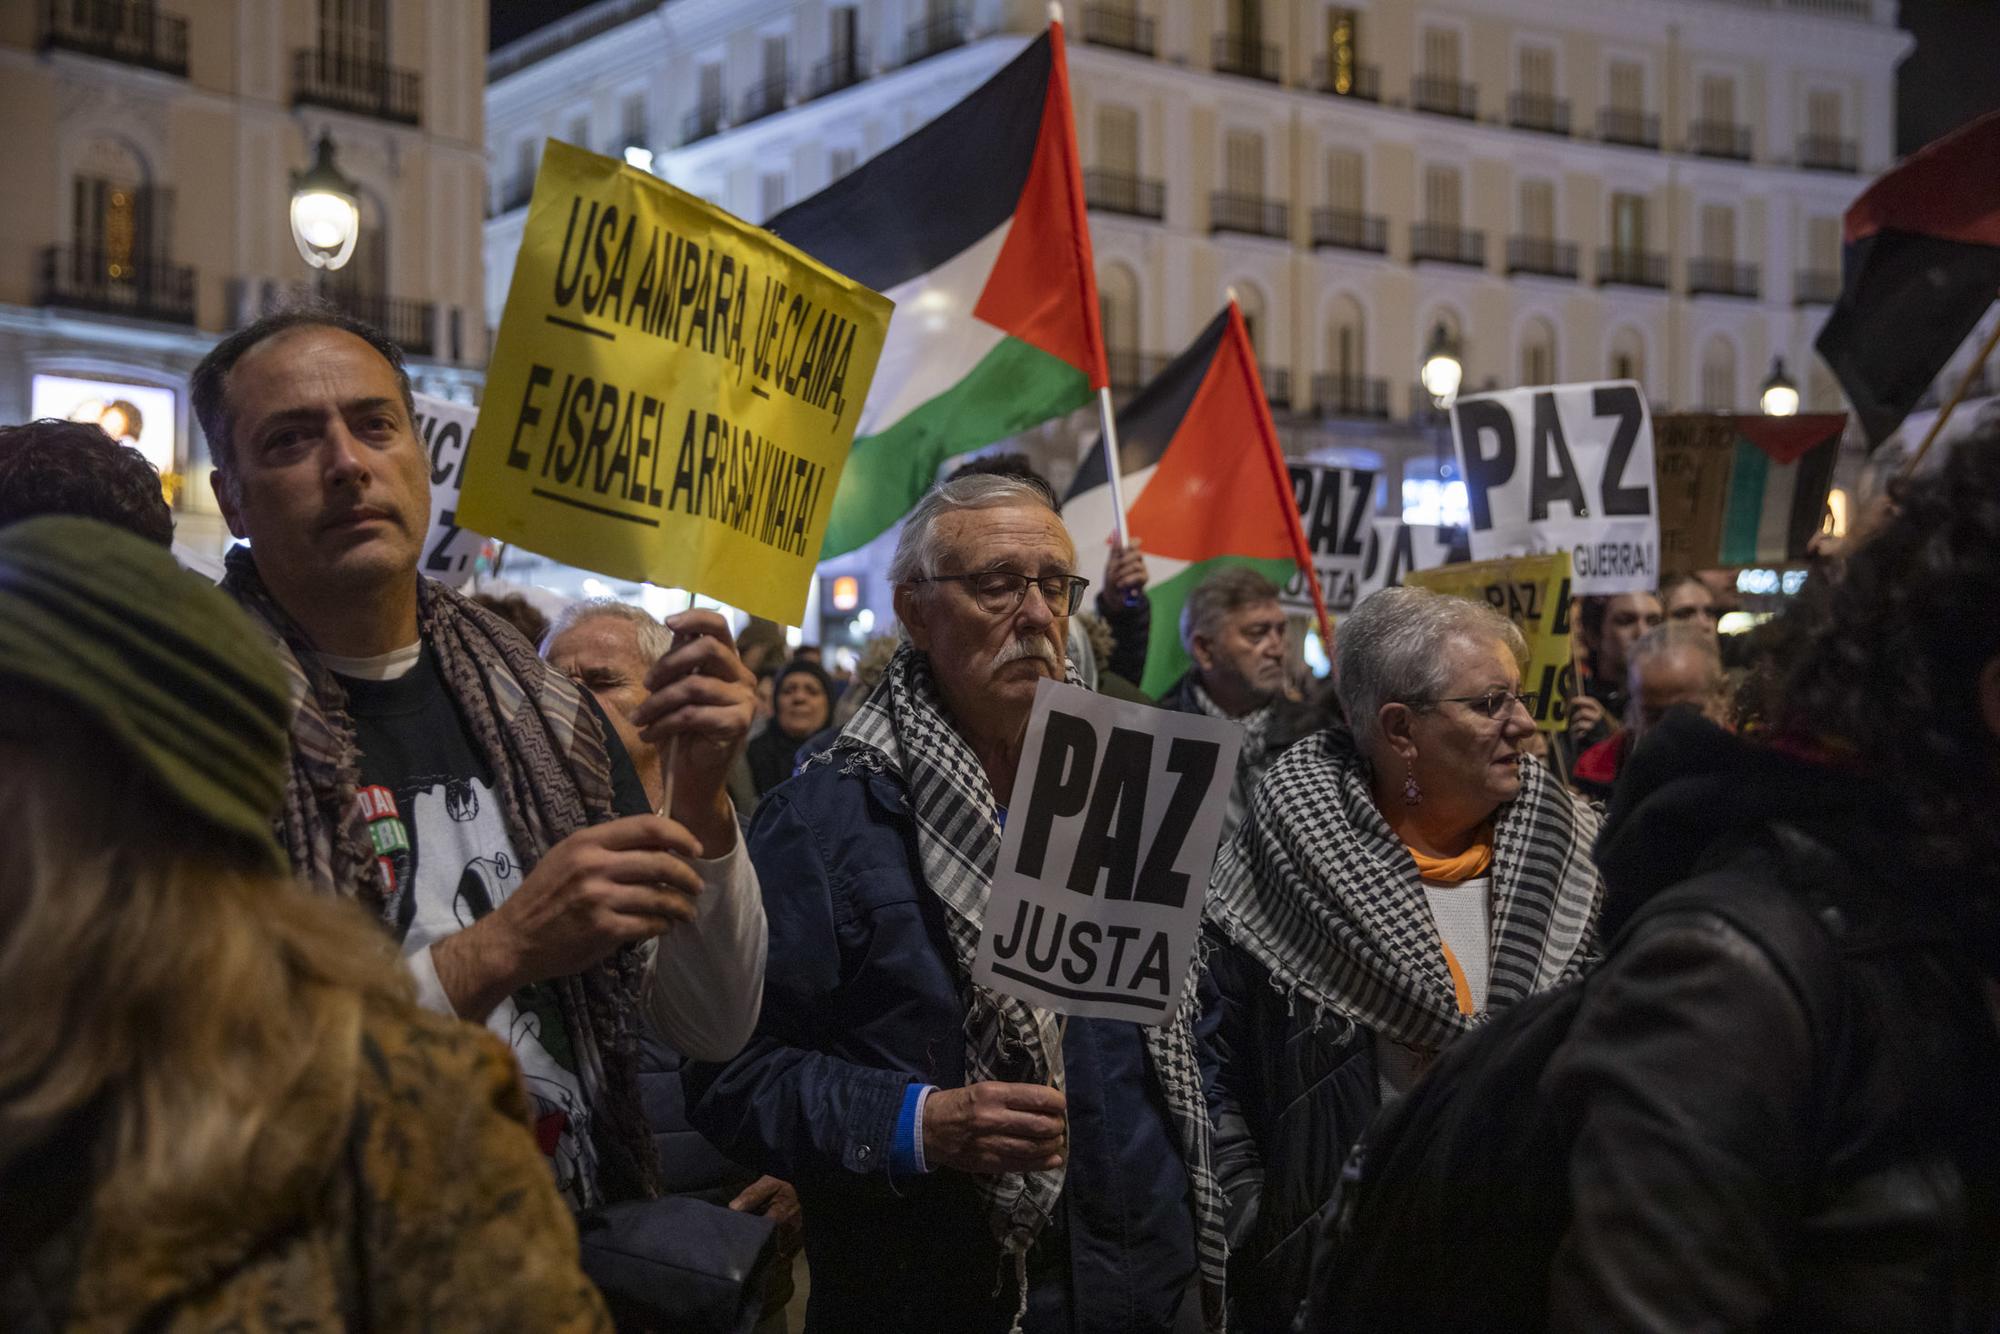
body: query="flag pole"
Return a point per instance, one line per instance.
(1944, 414)
(1107, 434)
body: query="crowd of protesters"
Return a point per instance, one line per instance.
(377, 957)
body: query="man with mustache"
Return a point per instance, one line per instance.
(468, 793)
(963, 1162)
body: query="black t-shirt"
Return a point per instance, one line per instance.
(437, 827)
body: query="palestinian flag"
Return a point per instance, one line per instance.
(974, 226)
(1747, 490)
(1205, 485)
(1921, 265)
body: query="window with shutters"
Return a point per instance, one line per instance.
(1718, 233)
(1443, 205)
(1347, 353)
(1118, 308)
(1441, 53)
(1346, 181)
(1118, 139)
(632, 121)
(1628, 87)
(775, 58)
(1246, 22)
(1537, 72)
(1538, 210)
(1823, 245)
(1718, 99)
(354, 30)
(1538, 353)
(1718, 376)
(1628, 223)
(1251, 302)
(578, 132)
(1628, 356)
(709, 86)
(1243, 164)
(1823, 114)
(840, 162)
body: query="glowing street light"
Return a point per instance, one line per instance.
(326, 215)
(1442, 369)
(1780, 397)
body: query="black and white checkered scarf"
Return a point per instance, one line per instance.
(1318, 889)
(902, 730)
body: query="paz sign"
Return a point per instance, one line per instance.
(1096, 900)
(672, 392)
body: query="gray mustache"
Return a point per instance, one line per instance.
(1031, 646)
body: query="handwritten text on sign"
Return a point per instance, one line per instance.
(445, 428)
(672, 392)
(1565, 468)
(1096, 900)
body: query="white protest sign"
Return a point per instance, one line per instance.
(1564, 468)
(445, 428)
(1096, 901)
(1355, 551)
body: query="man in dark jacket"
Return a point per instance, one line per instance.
(945, 1184)
(1791, 1128)
(1234, 628)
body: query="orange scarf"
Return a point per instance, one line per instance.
(1474, 861)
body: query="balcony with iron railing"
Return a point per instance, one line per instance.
(1544, 115)
(1629, 129)
(1277, 386)
(842, 69)
(1618, 267)
(1815, 287)
(1721, 277)
(1719, 139)
(1248, 60)
(1444, 97)
(1822, 152)
(934, 36)
(336, 79)
(411, 325)
(704, 121)
(766, 97)
(131, 32)
(1440, 243)
(1132, 370)
(1118, 27)
(95, 281)
(1347, 78)
(1543, 256)
(1344, 229)
(1357, 396)
(1249, 215)
(1122, 192)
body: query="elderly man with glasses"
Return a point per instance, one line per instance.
(964, 1161)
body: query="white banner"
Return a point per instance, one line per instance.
(445, 428)
(1564, 468)
(1096, 901)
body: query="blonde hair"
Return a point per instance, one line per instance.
(156, 983)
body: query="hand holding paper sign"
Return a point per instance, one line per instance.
(993, 1127)
(699, 713)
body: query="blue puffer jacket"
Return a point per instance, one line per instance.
(861, 998)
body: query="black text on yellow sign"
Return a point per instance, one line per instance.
(672, 393)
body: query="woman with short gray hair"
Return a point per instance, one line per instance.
(1397, 881)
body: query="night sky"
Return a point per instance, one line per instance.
(1952, 76)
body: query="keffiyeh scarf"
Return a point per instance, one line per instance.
(552, 776)
(1317, 888)
(902, 730)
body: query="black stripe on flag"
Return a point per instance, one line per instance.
(930, 196)
(1148, 424)
(1809, 488)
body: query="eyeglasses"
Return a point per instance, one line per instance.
(1001, 592)
(1493, 703)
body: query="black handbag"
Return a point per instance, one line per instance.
(679, 1264)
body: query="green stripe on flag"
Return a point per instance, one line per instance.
(1745, 513)
(1014, 387)
(1166, 660)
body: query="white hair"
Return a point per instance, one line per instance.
(1675, 637)
(654, 639)
(1391, 648)
(918, 551)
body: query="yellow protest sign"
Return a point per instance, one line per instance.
(1533, 593)
(672, 392)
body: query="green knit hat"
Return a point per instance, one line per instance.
(158, 658)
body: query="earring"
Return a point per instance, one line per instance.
(1412, 794)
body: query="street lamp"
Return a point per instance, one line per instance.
(1780, 397)
(326, 216)
(1442, 369)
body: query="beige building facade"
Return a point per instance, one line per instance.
(149, 155)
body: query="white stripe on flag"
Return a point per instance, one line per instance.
(1088, 518)
(934, 341)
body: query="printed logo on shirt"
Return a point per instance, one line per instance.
(388, 834)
